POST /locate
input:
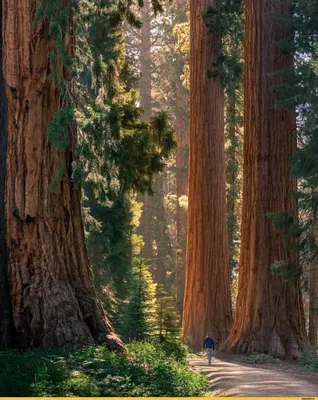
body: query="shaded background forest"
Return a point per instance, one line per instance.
(140, 240)
(137, 243)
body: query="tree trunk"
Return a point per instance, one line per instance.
(313, 306)
(182, 157)
(145, 62)
(163, 260)
(269, 313)
(207, 304)
(232, 178)
(145, 103)
(52, 293)
(313, 294)
(6, 323)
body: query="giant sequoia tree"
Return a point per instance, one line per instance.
(207, 304)
(269, 310)
(53, 299)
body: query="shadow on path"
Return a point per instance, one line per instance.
(228, 377)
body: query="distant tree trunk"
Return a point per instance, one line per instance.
(207, 303)
(182, 158)
(313, 295)
(146, 105)
(145, 62)
(163, 272)
(269, 311)
(52, 292)
(159, 234)
(182, 133)
(231, 176)
(6, 323)
(313, 306)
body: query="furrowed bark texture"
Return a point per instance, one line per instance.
(6, 324)
(269, 314)
(52, 292)
(207, 304)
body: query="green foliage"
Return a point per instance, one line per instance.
(260, 358)
(58, 14)
(98, 90)
(146, 370)
(117, 155)
(298, 91)
(168, 321)
(309, 358)
(226, 19)
(287, 270)
(291, 232)
(163, 255)
(144, 151)
(110, 247)
(58, 129)
(139, 318)
(175, 348)
(56, 179)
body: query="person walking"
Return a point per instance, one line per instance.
(209, 345)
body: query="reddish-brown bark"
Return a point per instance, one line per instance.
(52, 293)
(269, 313)
(6, 323)
(207, 304)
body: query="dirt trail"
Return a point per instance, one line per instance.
(229, 377)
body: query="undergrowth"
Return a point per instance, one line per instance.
(309, 358)
(145, 369)
(260, 358)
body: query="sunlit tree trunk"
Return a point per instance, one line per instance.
(269, 311)
(207, 304)
(54, 303)
(182, 157)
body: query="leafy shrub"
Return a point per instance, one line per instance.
(176, 349)
(260, 358)
(147, 369)
(309, 358)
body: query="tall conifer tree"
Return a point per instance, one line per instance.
(269, 316)
(207, 303)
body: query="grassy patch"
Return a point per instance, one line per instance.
(260, 358)
(145, 370)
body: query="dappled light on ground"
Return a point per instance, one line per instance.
(228, 377)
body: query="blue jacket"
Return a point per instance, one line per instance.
(208, 343)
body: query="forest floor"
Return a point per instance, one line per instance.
(230, 376)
